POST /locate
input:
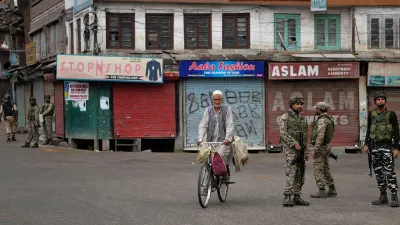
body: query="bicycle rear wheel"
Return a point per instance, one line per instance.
(204, 186)
(222, 190)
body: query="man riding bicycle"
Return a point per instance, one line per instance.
(217, 124)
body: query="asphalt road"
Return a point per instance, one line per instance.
(64, 186)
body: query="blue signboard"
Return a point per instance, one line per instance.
(209, 69)
(80, 5)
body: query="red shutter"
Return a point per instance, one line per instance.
(393, 99)
(342, 94)
(59, 107)
(144, 110)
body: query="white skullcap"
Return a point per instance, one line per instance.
(217, 92)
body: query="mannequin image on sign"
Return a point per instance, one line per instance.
(152, 67)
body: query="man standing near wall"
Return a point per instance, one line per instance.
(10, 113)
(48, 113)
(321, 137)
(293, 138)
(33, 124)
(382, 142)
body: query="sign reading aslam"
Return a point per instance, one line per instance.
(313, 70)
(109, 68)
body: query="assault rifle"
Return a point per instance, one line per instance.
(299, 160)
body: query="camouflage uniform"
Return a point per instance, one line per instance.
(48, 113)
(382, 138)
(321, 136)
(9, 112)
(290, 126)
(33, 125)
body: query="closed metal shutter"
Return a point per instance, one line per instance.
(59, 108)
(144, 110)
(245, 96)
(38, 91)
(342, 95)
(21, 105)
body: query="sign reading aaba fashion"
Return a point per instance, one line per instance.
(109, 68)
(313, 70)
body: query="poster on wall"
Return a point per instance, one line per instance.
(218, 69)
(109, 68)
(384, 74)
(318, 5)
(76, 91)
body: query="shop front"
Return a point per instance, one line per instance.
(116, 98)
(384, 77)
(335, 83)
(242, 85)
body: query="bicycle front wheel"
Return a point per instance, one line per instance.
(204, 186)
(222, 190)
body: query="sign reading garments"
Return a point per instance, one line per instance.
(313, 82)
(244, 95)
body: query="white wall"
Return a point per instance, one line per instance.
(361, 16)
(261, 23)
(69, 4)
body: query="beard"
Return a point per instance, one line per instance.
(298, 110)
(217, 105)
(317, 113)
(380, 106)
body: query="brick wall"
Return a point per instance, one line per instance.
(144, 110)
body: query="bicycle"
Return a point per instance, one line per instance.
(208, 182)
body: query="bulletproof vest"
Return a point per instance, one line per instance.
(295, 126)
(31, 113)
(8, 109)
(47, 106)
(328, 133)
(381, 128)
(212, 122)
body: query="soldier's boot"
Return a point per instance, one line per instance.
(51, 142)
(298, 201)
(26, 145)
(383, 199)
(288, 201)
(395, 200)
(35, 145)
(13, 137)
(331, 191)
(46, 142)
(320, 194)
(8, 139)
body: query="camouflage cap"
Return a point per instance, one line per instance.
(379, 95)
(322, 105)
(296, 100)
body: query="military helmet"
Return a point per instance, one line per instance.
(7, 98)
(322, 105)
(295, 100)
(379, 95)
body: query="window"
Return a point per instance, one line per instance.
(78, 35)
(383, 31)
(327, 32)
(120, 31)
(197, 31)
(159, 31)
(36, 39)
(52, 39)
(287, 31)
(71, 43)
(59, 41)
(235, 29)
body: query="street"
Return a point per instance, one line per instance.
(65, 186)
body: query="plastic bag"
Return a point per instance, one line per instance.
(218, 164)
(203, 155)
(240, 153)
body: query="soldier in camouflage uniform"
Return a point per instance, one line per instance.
(382, 142)
(291, 124)
(321, 137)
(47, 113)
(33, 124)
